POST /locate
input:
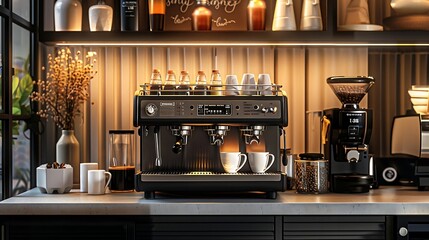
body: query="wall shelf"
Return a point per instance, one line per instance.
(329, 37)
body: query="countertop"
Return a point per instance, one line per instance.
(382, 201)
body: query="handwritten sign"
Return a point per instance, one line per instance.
(227, 15)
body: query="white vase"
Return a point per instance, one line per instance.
(68, 15)
(100, 17)
(284, 16)
(311, 17)
(68, 152)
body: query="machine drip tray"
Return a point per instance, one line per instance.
(208, 177)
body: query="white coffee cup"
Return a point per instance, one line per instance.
(97, 183)
(84, 168)
(264, 84)
(260, 161)
(248, 84)
(232, 162)
(231, 85)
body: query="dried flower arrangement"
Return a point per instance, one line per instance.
(66, 87)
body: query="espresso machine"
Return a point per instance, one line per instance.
(346, 134)
(181, 137)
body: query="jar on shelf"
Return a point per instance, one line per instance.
(68, 15)
(201, 17)
(100, 17)
(256, 15)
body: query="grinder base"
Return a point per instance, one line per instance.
(351, 183)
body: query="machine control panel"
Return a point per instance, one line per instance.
(209, 108)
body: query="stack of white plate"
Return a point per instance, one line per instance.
(419, 98)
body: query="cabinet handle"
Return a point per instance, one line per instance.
(403, 232)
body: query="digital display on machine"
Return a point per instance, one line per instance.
(214, 109)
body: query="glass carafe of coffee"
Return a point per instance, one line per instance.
(121, 160)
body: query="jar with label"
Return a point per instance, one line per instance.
(311, 173)
(129, 15)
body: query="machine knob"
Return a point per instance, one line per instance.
(353, 156)
(273, 109)
(151, 109)
(403, 232)
(264, 110)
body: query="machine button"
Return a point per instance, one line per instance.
(353, 156)
(403, 232)
(151, 109)
(264, 110)
(256, 107)
(273, 109)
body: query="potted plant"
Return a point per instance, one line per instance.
(60, 96)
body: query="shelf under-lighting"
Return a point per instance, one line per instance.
(297, 44)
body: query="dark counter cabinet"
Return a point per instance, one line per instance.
(199, 227)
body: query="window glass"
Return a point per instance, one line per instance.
(21, 158)
(1, 64)
(22, 83)
(1, 163)
(22, 8)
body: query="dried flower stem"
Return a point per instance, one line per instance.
(66, 87)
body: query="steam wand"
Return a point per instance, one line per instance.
(158, 159)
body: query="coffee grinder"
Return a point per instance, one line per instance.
(346, 133)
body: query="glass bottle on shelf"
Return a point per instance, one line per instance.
(201, 84)
(256, 15)
(184, 87)
(155, 82)
(216, 83)
(170, 83)
(129, 15)
(201, 17)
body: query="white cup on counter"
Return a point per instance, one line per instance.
(98, 180)
(84, 168)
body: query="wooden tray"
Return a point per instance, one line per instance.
(408, 22)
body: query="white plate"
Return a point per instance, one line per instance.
(360, 27)
(418, 93)
(419, 101)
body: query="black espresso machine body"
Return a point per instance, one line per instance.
(181, 138)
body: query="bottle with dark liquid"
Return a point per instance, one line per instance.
(216, 83)
(184, 87)
(170, 83)
(129, 15)
(155, 83)
(156, 14)
(256, 15)
(201, 87)
(201, 17)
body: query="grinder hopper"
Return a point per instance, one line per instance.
(350, 90)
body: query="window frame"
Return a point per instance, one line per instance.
(6, 117)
